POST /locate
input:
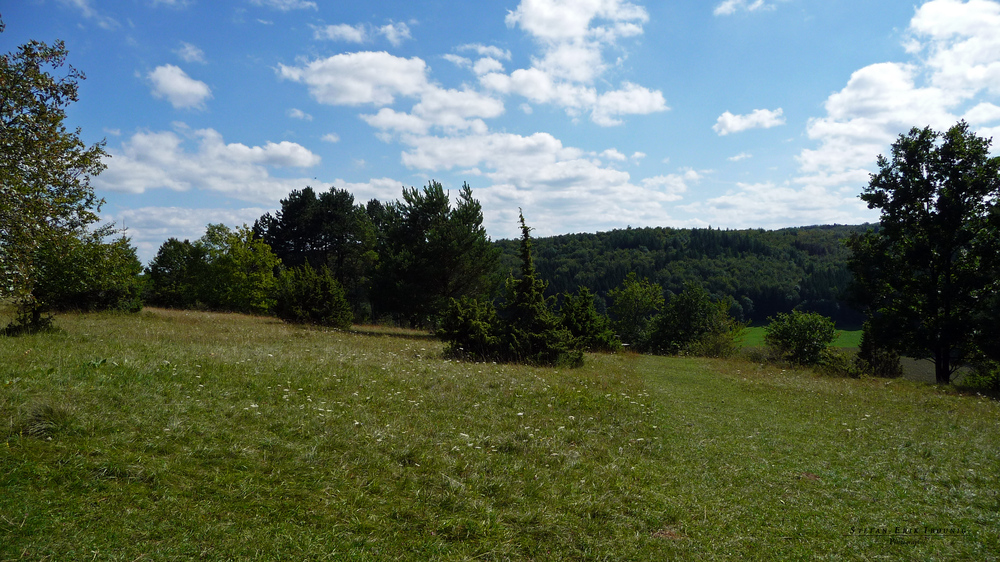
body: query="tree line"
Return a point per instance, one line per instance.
(926, 278)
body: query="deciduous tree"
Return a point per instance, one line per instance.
(929, 272)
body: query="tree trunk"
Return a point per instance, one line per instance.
(942, 366)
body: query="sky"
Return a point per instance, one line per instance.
(588, 115)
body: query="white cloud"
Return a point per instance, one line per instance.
(486, 65)
(773, 206)
(563, 189)
(153, 160)
(756, 119)
(360, 78)
(982, 113)
(740, 156)
(150, 227)
(613, 154)
(638, 156)
(630, 100)
(299, 114)
(459, 61)
(395, 33)
(182, 91)
(730, 7)
(105, 22)
(573, 37)
(285, 5)
(341, 32)
(486, 51)
(399, 122)
(330, 137)
(190, 53)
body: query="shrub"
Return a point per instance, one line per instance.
(839, 363)
(634, 304)
(799, 337)
(523, 330)
(875, 359)
(308, 296)
(591, 329)
(691, 323)
(470, 328)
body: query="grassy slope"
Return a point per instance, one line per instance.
(173, 435)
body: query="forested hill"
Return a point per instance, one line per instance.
(765, 271)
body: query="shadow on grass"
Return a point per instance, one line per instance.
(392, 332)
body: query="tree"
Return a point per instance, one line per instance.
(635, 303)
(242, 272)
(591, 329)
(800, 337)
(692, 323)
(176, 275)
(308, 296)
(325, 230)
(45, 169)
(430, 253)
(523, 329)
(929, 271)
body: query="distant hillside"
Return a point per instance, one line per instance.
(765, 271)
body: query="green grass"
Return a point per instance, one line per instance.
(845, 338)
(173, 435)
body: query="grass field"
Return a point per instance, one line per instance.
(845, 338)
(174, 435)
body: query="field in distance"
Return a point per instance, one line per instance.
(169, 434)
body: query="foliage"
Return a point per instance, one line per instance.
(429, 253)
(927, 272)
(242, 271)
(839, 362)
(225, 269)
(524, 329)
(875, 358)
(176, 275)
(764, 271)
(45, 169)
(692, 323)
(325, 230)
(635, 303)
(800, 337)
(591, 329)
(86, 273)
(309, 296)
(471, 329)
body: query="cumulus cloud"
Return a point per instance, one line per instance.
(156, 160)
(740, 156)
(360, 78)
(486, 51)
(173, 84)
(285, 5)
(299, 114)
(565, 187)
(395, 33)
(150, 227)
(573, 38)
(330, 137)
(190, 53)
(756, 119)
(341, 32)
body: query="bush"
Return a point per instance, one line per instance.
(839, 363)
(90, 275)
(523, 330)
(307, 296)
(800, 337)
(691, 323)
(877, 360)
(634, 304)
(470, 328)
(591, 329)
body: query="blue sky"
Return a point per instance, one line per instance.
(588, 114)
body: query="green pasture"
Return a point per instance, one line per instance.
(172, 435)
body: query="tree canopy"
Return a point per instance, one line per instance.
(929, 273)
(46, 200)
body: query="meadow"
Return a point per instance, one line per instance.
(170, 435)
